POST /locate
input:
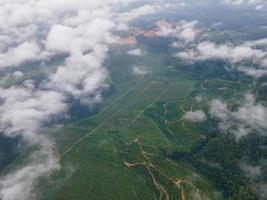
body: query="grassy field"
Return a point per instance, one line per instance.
(122, 152)
(118, 153)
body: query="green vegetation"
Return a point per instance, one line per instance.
(137, 145)
(119, 152)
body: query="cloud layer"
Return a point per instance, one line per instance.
(38, 30)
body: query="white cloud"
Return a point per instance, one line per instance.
(199, 98)
(136, 52)
(249, 117)
(183, 30)
(85, 37)
(257, 73)
(140, 70)
(236, 54)
(209, 50)
(195, 116)
(81, 76)
(258, 4)
(255, 43)
(24, 110)
(19, 54)
(28, 23)
(21, 182)
(17, 75)
(138, 12)
(36, 30)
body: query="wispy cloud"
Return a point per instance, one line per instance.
(257, 4)
(249, 117)
(248, 52)
(184, 30)
(195, 116)
(140, 70)
(136, 52)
